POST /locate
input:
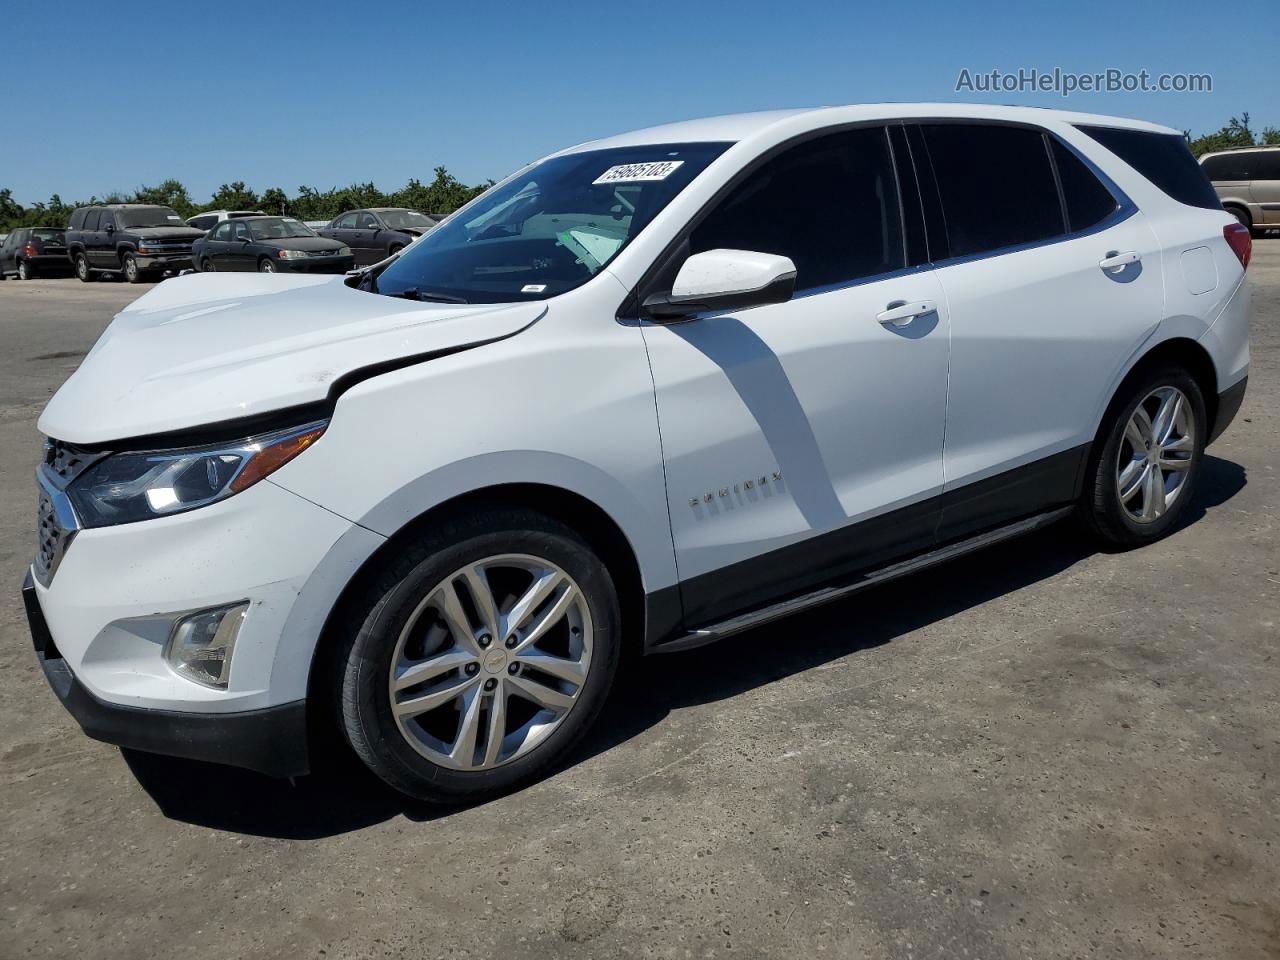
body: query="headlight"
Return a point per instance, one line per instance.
(125, 487)
(293, 254)
(344, 251)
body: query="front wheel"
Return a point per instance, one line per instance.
(206, 266)
(83, 272)
(266, 266)
(479, 657)
(1143, 475)
(131, 271)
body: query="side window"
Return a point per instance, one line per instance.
(239, 231)
(367, 221)
(347, 222)
(1228, 166)
(996, 184)
(1164, 159)
(223, 232)
(91, 218)
(1088, 200)
(201, 223)
(1266, 165)
(77, 219)
(830, 204)
(108, 219)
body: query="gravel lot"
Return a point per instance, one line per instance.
(1041, 751)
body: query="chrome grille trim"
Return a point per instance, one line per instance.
(56, 521)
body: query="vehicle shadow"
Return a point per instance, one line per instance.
(343, 796)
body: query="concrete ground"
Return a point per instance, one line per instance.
(1040, 751)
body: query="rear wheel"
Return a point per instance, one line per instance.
(1144, 468)
(266, 266)
(479, 657)
(83, 272)
(25, 271)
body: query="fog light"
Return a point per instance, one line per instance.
(201, 644)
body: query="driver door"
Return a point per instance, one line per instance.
(803, 440)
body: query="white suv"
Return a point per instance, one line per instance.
(643, 394)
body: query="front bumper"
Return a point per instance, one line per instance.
(163, 261)
(316, 265)
(272, 740)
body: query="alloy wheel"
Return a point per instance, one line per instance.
(1155, 454)
(491, 662)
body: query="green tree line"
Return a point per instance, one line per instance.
(1236, 133)
(444, 194)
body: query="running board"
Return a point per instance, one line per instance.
(785, 608)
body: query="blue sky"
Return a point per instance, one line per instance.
(283, 94)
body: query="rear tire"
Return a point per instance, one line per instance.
(401, 621)
(83, 271)
(25, 271)
(1146, 459)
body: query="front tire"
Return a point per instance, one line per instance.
(1146, 460)
(266, 266)
(83, 272)
(206, 266)
(131, 271)
(478, 658)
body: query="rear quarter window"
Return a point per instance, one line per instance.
(77, 219)
(1266, 165)
(1087, 199)
(1164, 159)
(1227, 166)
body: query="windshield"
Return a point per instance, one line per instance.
(148, 217)
(406, 218)
(278, 228)
(549, 229)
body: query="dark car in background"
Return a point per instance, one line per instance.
(34, 251)
(269, 245)
(140, 241)
(375, 233)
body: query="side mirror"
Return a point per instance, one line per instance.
(724, 280)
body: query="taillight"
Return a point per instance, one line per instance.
(1239, 240)
(29, 251)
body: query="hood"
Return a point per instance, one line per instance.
(205, 348)
(164, 233)
(309, 244)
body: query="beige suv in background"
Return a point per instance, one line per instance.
(1248, 182)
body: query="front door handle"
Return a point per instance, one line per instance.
(1115, 262)
(900, 313)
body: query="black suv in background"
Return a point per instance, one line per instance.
(138, 240)
(375, 233)
(34, 251)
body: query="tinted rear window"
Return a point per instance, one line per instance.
(77, 219)
(55, 235)
(1088, 200)
(997, 186)
(1228, 166)
(1164, 159)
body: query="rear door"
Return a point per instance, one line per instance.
(96, 238)
(218, 246)
(8, 259)
(1265, 186)
(240, 251)
(1053, 279)
(803, 440)
(364, 238)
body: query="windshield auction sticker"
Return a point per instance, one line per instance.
(638, 172)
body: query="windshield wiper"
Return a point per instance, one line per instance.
(413, 293)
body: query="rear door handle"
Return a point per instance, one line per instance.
(900, 313)
(1116, 262)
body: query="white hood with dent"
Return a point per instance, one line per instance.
(205, 348)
